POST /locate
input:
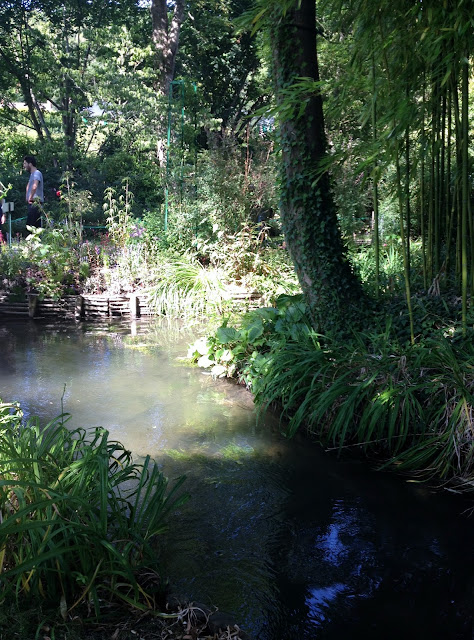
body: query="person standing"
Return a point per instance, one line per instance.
(3, 219)
(34, 192)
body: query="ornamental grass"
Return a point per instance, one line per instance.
(78, 518)
(412, 406)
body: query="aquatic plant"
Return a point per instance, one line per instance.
(413, 405)
(78, 518)
(242, 352)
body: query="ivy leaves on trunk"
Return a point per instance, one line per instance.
(307, 207)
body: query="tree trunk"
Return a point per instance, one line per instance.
(307, 207)
(165, 37)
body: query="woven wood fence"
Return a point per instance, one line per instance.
(95, 307)
(81, 307)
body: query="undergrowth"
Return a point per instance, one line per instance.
(409, 405)
(79, 520)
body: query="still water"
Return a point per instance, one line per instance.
(291, 541)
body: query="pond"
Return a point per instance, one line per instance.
(293, 542)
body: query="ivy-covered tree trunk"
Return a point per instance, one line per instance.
(307, 207)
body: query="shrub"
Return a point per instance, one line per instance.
(54, 256)
(243, 352)
(185, 288)
(413, 404)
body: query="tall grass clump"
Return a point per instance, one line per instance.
(391, 276)
(78, 519)
(412, 405)
(409, 404)
(187, 289)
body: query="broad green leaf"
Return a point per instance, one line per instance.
(254, 331)
(225, 335)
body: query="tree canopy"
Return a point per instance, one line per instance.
(372, 103)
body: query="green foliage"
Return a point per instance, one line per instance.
(3, 191)
(185, 288)
(10, 415)
(391, 275)
(227, 66)
(78, 518)
(134, 254)
(230, 183)
(118, 212)
(153, 224)
(74, 205)
(243, 352)
(15, 146)
(50, 261)
(411, 404)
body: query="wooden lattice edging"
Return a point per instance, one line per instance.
(90, 307)
(81, 307)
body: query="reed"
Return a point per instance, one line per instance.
(412, 405)
(78, 518)
(186, 289)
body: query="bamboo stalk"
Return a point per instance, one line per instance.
(422, 189)
(375, 193)
(465, 188)
(404, 246)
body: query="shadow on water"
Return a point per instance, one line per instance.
(293, 542)
(309, 547)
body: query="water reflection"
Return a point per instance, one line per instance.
(291, 541)
(320, 599)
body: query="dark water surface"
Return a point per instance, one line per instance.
(293, 542)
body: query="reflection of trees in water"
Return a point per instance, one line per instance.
(222, 540)
(7, 349)
(368, 560)
(292, 542)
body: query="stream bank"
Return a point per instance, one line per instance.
(292, 542)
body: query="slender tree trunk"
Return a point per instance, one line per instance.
(407, 196)
(423, 189)
(459, 184)
(406, 263)
(436, 180)
(448, 188)
(443, 215)
(308, 211)
(25, 75)
(165, 37)
(28, 99)
(431, 202)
